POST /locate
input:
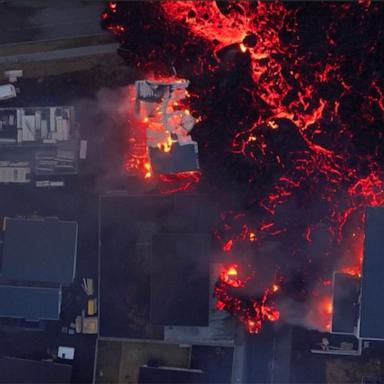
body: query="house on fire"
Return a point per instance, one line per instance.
(170, 148)
(357, 301)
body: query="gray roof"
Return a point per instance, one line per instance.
(372, 286)
(180, 279)
(14, 370)
(42, 250)
(345, 303)
(181, 158)
(30, 303)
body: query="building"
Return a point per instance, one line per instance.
(170, 148)
(155, 257)
(371, 316)
(157, 274)
(38, 259)
(30, 303)
(38, 142)
(39, 250)
(357, 301)
(17, 371)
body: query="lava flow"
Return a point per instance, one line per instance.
(251, 311)
(290, 99)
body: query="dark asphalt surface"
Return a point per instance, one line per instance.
(25, 20)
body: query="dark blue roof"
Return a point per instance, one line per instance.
(181, 158)
(345, 306)
(372, 286)
(30, 303)
(42, 250)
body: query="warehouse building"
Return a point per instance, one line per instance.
(38, 259)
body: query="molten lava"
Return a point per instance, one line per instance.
(251, 311)
(291, 133)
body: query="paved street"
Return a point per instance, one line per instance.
(59, 54)
(25, 20)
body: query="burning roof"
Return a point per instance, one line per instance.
(290, 99)
(170, 149)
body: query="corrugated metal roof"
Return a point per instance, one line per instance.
(42, 250)
(30, 303)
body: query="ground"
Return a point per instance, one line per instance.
(346, 371)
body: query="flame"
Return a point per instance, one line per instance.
(232, 271)
(272, 124)
(148, 169)
(230, 276)
(166, 146)
(243, 48)
(325, 313)
(352, 270)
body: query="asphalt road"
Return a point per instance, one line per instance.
(26, 20)
(59, 54)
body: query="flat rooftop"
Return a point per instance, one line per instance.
(40, 250)
(345, 305)
(180, 279)
(16, 371)
(371, 322)
(127, 226)
(30, 303)
(181, 158)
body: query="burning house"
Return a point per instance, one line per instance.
(164, 145)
